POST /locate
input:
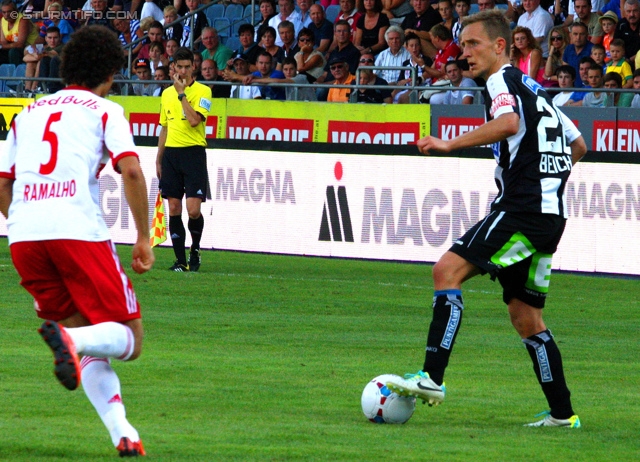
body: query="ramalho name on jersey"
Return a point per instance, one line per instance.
(54, 152)
(533, 164)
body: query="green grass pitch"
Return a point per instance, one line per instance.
(263, 357)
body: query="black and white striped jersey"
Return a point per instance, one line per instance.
(535, 163)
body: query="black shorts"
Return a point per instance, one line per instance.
(184, 172)
(517, 248)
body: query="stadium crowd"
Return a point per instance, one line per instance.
(588, 43)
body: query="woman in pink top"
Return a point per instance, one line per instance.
(526, 54)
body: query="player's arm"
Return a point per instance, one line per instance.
(493, 131)
(573, 136)
(578, 149)
(162, 140)
(135, 190)
(6, 195)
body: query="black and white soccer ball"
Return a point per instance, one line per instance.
(381, 405)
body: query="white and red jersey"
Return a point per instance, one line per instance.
(54, 151)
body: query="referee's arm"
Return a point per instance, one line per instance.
(194, 118)
(162, 139)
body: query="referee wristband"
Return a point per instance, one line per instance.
(180, 96)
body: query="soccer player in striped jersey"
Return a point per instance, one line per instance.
(60, 246)
(535, 146)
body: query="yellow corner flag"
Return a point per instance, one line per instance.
(158, 224)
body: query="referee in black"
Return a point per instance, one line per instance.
(181, 164)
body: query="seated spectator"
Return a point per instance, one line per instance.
(268, 42)
(308, 61)
(16, 33)
(287, 13)
(98, 15)
(462, 10)
(291, 75)
(162, 73)
(349, 13)
(265, 68)
(193, 26)
(371, 27)
(322, 28)
(34, 54)
(151, 9)
(209, 71)
(420, 21)
(240, 71)
(344, 50)
(341, 76)
(128, 31)
(417, 61)
(445, 8)
(577, 49)
(371, 95)
(584, 15)
(613, 80)
(393, 56)
(54, 18)
(619, 64)
(453, 73)
(629, 29)
(396, 8)
(197, 63)
(287, 34)
(608, 22)
(303, 7)
(171, 15)
(566, 77)
(598, 54)
(558, 40)
(248, 46)
(213, 49)
(447, 51)
(267, 11)
(170, 48)
(526, 54)
(595, 99)
(143, 71)
(636, 86)
(154, 34)
(538, 21)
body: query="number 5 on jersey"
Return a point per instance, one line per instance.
(51, 138)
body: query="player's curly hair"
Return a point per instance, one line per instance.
(93, 54)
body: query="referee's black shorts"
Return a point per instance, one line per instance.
(184, 172)
(517, 248)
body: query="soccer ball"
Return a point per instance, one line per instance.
(381, 405)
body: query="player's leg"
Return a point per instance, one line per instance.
(196, 183)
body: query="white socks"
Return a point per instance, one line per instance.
(104, 340)
(102, 386)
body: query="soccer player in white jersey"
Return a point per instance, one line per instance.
(535, 146)
(49, 170)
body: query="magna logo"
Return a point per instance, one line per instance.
(393, 133)
(146, 124)
(267, 129)
(336, 224)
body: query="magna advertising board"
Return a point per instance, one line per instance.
(384, 207)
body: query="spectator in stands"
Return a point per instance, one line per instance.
(265, 68)
(154, 34)
(420, 21)
(629, 29)
(558, 40)
(584, 15)
(287, 34)
(98, 15)
(128, 31)
(620, 65)
(447, 51)
(162, 73)
(608, 22)
(193, 26)
(308, 60)
(526, 54)
(598, 54)
(344, 50)
(287, 13)
(566, 76)
(579, 48)
(418, 61)
(34, 54)
(149, 8)
(445, 8)
(349, 13)
(341, 76)
(156, 57)
(636, 86)
(453, 73)
(170, 48)
(370, 28)
(395, 55)
(305, 15)
(16, 33)
(462, 10)
(240, 71)
(248, 46)
(371, 95)
(396, 8)
(267, 11)
(538, 20)
(209, 71)
(197, 62)
(143, 71)
(213, 49)
(54, 18)
(584, 65)
(171, 15)
(268, 42)
(595, 79)
(322, 28)
(614, 81)
(291, 75)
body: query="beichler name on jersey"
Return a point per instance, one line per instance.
(41, 191)
(90, 103)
